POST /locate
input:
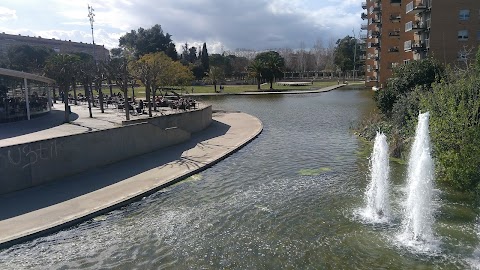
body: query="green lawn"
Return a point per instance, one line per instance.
(140, 91)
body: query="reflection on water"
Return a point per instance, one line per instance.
(286, 200)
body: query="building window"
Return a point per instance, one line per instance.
(408, 26)
(463, 35)
(407, 45)
(464, 15)
(406, 61)
(409, 7)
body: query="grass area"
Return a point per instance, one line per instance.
(264, 87)
(232, 89)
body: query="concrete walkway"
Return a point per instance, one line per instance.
(287, 92)
(44, 209)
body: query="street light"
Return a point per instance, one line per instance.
(90, 95)
(90, 16)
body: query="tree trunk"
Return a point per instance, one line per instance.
(271, 84)
(147, 90)
(65, 102)
(75, 94)
(111, 87)
(55, 94)
(258, 83)
(100, 96)
(88, 95)
(215, 86)
(154, 92)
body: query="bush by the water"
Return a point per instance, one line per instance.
(453, 98)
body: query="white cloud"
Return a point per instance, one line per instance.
(7, 14)
(251, 24)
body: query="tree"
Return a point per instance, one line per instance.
(255, 70)
(344, 53)
(28, 58)
(147, 69)
(61, 68)
(454, 106)
(85, 73)
(273, 66)
(145, 41)
(420, 73)
(117, 71)
(215, 75)
(204, 58)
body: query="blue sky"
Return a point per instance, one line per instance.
(232, 24)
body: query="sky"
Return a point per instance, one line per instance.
(225, 25)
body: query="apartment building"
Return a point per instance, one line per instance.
(59, 46)
(398, 31)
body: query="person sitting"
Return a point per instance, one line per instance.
(140, 107)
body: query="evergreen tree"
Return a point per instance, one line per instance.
(204, 57)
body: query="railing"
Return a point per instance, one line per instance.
(396, 17)
(416, 6)
(364, 5)
(364, 26)
(394, 33)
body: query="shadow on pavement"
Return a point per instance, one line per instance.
(28, 200)
(49, 120)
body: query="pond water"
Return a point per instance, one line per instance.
(289, 199)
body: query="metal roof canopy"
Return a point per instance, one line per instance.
(25, 75)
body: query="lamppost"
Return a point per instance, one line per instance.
(90, 95)
(90, 16)
(354, 52)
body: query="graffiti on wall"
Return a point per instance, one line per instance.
(28, 155)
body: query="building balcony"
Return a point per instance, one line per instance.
(395, 18)
(375, 34)
(419, 46)
(363, 37)
(364, 26)
(374, 56)
(376, 8)
(364, 16)
(374, 45)
(372, 79)
(416, 6)
(419, 26)
(364, 5)
(375, 21)
(362, 58)
(394, 33)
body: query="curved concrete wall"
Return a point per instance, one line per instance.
(31, 164)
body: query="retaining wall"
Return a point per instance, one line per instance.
(35, 163)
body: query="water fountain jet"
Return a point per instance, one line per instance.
(419, 210)
(377, 193)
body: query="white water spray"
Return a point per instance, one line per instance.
(377, 193)
(419, 210)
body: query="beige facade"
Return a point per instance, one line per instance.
(399, 31)
(59, 46)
